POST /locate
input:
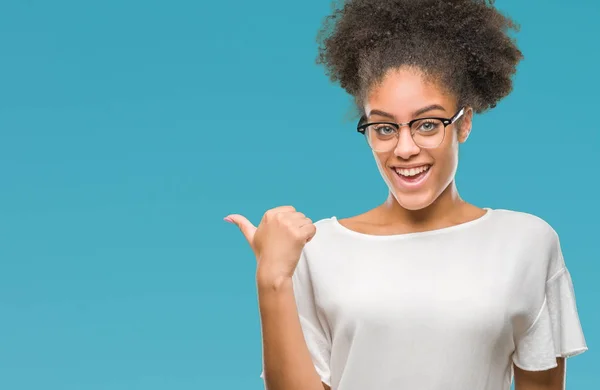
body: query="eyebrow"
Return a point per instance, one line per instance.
(415, 114)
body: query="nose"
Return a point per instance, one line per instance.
(406, 146)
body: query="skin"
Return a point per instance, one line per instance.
(553, 379)
(402, 93)
(277, 243)
(283, 231)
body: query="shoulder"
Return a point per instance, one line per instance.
(535, 239)
(319, 248)
(328, 231)
(329, 239)
(325, 222)
(524, 224)
(326, 226)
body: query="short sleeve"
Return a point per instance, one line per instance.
(556, 331)
(313, 325)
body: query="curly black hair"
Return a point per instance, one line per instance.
(464, 44)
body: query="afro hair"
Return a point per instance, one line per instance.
(463, 44)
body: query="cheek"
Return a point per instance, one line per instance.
(446, 159)
(381, 160)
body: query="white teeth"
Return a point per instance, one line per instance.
(412, 171)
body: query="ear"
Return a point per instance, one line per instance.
(465, 123)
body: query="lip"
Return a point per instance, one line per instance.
(410, 186)
(409, 166)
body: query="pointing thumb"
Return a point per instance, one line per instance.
(247, 228)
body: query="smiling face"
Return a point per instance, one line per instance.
(416, 176)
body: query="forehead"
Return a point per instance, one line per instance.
(405, 90)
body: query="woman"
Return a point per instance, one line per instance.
(424, 291)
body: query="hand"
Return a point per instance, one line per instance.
(279, 239)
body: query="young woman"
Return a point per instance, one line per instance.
(425, 291)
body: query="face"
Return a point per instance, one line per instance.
(416, 176)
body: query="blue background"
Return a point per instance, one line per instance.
(129, 129)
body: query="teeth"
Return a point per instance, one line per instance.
(412, 171)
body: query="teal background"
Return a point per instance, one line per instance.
(129, 129)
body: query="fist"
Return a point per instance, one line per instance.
(278, 240)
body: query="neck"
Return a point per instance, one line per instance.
(446, 207)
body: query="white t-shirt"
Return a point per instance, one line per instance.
(448, 309)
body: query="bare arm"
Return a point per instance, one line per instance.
(287, 361)
(553, 379)
(277, 244)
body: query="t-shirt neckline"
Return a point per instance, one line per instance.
(447, 229)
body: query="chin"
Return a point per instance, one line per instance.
(412, 198)
(414, 202)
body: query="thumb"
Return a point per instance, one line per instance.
(247, 228)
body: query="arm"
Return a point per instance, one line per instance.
(553, 379)
(287, 361)
(554, 331)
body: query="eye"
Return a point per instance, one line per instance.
(384, 130)
(428, 125)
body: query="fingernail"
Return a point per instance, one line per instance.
(228, 219)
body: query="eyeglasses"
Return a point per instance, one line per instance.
(426, 132)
